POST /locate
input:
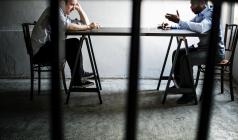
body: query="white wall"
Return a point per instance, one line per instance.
(111, 52)
(14, 61)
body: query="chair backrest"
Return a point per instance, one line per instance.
(230, 41)
(27, 36)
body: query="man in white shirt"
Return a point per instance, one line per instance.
(41, 42)
(201, 23)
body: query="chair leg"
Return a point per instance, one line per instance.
(231, 84)
(164, 98)
(39, 80)
(201, 97)
(64, 82)
(99, 97)
(198, 75)
(222, 79)
(32, 83)
(196, 82)
(69, 90)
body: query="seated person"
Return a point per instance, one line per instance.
(42, 46)
(201, 23)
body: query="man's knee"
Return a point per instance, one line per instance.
(180, 53)
(173, 54)
(72, 41)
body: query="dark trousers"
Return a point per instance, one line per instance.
(182, 67)
(45, 54)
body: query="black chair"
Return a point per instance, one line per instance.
(37, 66)
(226, 65)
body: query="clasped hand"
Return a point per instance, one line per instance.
(94, 25)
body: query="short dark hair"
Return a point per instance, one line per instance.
(199, 1)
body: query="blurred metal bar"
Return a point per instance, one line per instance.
(131, 122)
(231, 12)
(55, 96)
(207, 91)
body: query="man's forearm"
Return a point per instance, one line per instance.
(73, 26)
(83, 16)
(201, 27)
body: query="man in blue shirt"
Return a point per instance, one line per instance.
(201, 23)
(41, 42)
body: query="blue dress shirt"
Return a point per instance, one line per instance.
(202, 23)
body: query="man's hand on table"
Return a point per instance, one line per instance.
(164, 26)
(93, 25)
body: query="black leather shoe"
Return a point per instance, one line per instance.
(83, 84)
(87, 75)
(173, 87)
(185, 99)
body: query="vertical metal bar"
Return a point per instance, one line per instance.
(231, 12)
(39, 79)
(222, 78)
(231, 39)
(131, 121)
(32, 79)
(225, 37)
(206, 106)
(55, 96)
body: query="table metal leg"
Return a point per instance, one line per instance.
(164, 64)
(95, 64)
(171, 71)
(74, 69)
(181, 90)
